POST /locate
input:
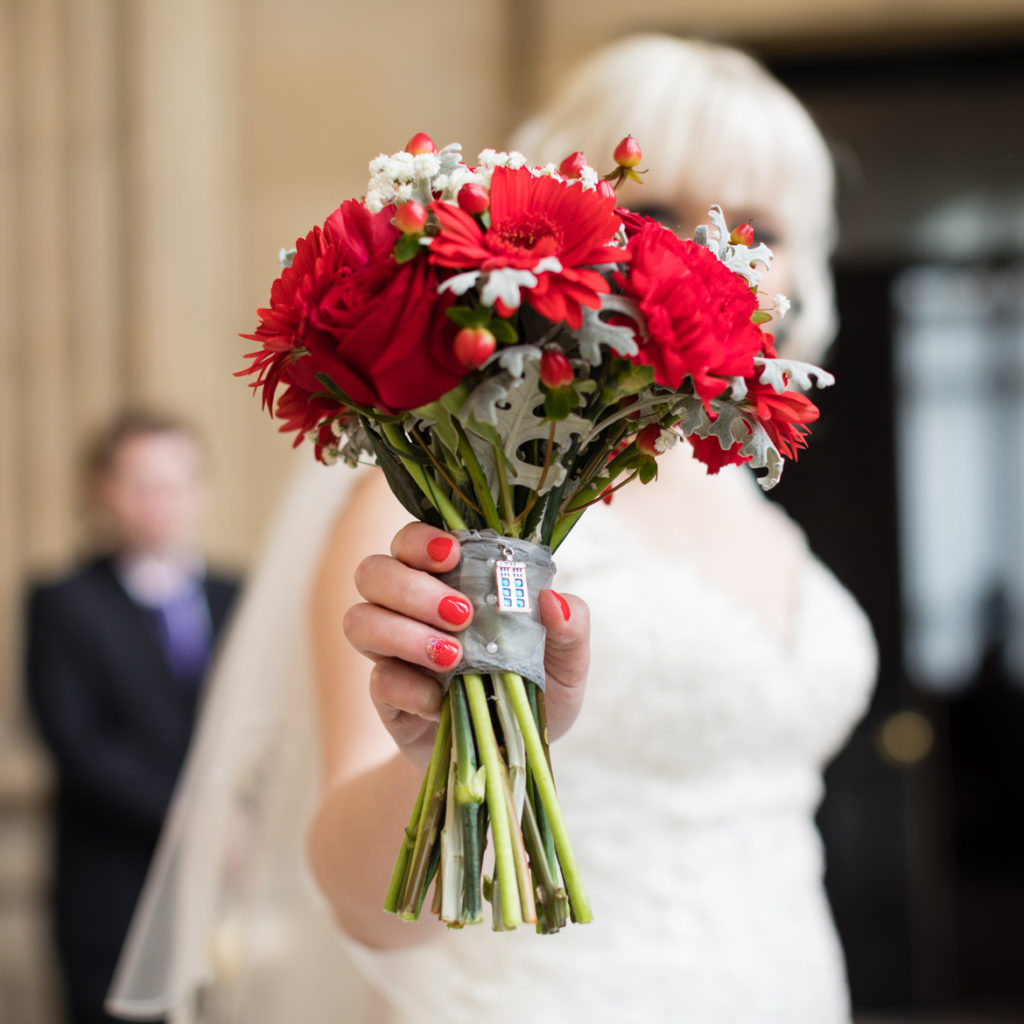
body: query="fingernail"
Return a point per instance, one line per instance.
(454, 610)
(442, 651)
(440, 548)
(563, 604)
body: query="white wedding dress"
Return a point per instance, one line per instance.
(689, 784)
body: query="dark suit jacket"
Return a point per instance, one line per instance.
(118, 726)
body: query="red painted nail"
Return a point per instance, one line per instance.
(454, 610)
(563, 604)
(440, 548)
(442, 651)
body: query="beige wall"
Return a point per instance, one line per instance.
(155, 154)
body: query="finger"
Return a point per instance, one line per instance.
(392, 584)
(398, 689)
(566, 620)
(379, 633)
(409, 704)
(425, 547)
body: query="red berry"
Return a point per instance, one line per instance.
(743, 235)
(555, 370)
(420, 143)
(474, 198)
(572, 166)
(474, 346)
(411, 217)
(647, 439)
(627, 152)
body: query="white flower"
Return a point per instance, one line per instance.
(515, 160)
(378, 165)
(373, 202)
(781, 305)
(401, 166)
(425, 165)
(403, 193)
(589, 177)
(488, 158)
(666, 441)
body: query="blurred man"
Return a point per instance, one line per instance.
(116, 654)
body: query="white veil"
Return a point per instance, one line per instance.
(230, 926)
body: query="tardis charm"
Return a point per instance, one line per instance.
(510, 579)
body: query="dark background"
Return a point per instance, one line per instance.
(926, 870)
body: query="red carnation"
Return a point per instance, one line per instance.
(347, 309)
(533, 218)
(697, 312)
(713, 455)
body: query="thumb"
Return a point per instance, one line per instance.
(566, 619)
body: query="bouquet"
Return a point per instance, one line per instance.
(510, 347)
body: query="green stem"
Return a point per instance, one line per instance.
(426, 831)
(504, 865)
(469, 793)
(522, 864)
(506, 492)
(408, 843)
(537, 706)
(479, 481)
(543, 474)
(549, 798)
(552, 900)
(434, 494)
(443, 472)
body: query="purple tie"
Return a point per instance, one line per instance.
(183, 623)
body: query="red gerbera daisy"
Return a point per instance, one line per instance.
(532, 218)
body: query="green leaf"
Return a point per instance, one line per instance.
(648, 470)
(559, 403)
(760, 316)
(503, 331)
(466, 316)
(407, 248)
(438, 420)
(401, 484)
(627, 379)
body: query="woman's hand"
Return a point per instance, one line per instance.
(411, 621)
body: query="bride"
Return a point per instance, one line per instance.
(727, 666)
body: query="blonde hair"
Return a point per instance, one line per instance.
(713, 125)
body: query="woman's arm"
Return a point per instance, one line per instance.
(377, 704)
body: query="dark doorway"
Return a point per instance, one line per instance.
(922, 822)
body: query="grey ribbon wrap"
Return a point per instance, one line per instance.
(497, 640)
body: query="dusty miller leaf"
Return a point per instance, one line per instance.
(802, 375)
(595, 332)
(519, 419)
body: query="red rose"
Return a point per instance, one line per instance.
(697, 312)
(347, 309)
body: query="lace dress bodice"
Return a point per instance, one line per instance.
(689, 784)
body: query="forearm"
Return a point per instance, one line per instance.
(353, 844)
